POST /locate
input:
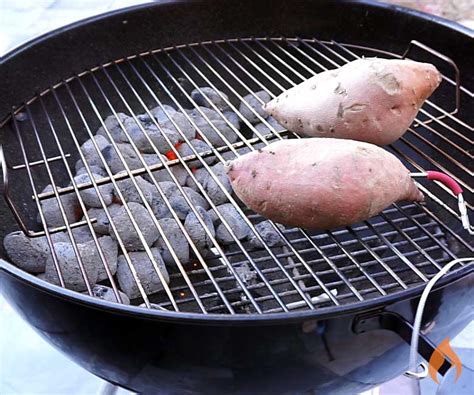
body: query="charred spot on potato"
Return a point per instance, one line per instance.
(389, 83)
(253, 173)
(356, 107)
(314, 164)
(396, 110)
(271, 152)
(339, 89)
(340, 111)
(320, 128)
(313, 87)
(331, 130)
(259, 150)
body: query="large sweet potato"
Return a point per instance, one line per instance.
(372, 100)
(320, 183)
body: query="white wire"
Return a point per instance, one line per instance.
(421, 307)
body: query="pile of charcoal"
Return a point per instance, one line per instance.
(138, 146)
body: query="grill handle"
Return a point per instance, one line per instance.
(396, 323)
(455, 188)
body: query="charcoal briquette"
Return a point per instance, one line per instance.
(70, 268)
(177, 240)
(126, 230)
(254, 101)
(146, 273)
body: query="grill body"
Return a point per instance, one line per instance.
(165, 355)
(153, 351)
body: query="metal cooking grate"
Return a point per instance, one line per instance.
(405, 245)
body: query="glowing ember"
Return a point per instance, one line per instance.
(171, 154)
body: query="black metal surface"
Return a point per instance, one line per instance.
(148, 353)
(72, 49)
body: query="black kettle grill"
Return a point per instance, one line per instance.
(328, 312)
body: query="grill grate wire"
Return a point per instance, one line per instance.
(402, 247)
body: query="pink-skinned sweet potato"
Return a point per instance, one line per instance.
(320, 183)
(372, 100)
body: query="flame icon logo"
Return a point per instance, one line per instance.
(437, 359)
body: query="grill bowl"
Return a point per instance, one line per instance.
(228, 357)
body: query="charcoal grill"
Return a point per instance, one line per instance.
(299, 323)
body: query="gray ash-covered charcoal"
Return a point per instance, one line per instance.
(82, 234)
(269, 235)
(177, 240)
(101, 225)
(196, 231)
(150, 133)
(163, 115)
(114, 128)
(90, 196)
(163, 174)
(215, 130)
(29, 254)
(255, 102)
(130, 192)
(203, 96)
(216, 192)
(230, 155)
(51, 210)
(246, 274)
(201, 175)
(146, 273)
(264, 129)
(274, 123)
(90, 254)
(232, 118)
(168, 188)
(126, 230)
(70, 268)
(201, 147)
(90, 152)
(180, 205)
(108, 294)
(183, 126)
(80, 169)
(115, 162)
(236, 223)
(213, 190)
(160, 209)
(203, 112)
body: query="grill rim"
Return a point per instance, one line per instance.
(237, 319)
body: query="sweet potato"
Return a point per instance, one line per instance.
(372, 100)
(320, 183)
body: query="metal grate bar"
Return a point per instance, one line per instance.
(403, 246)
(396, 251)
(79, 197)
(216, 180)
(231, 199)
(104, 206)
